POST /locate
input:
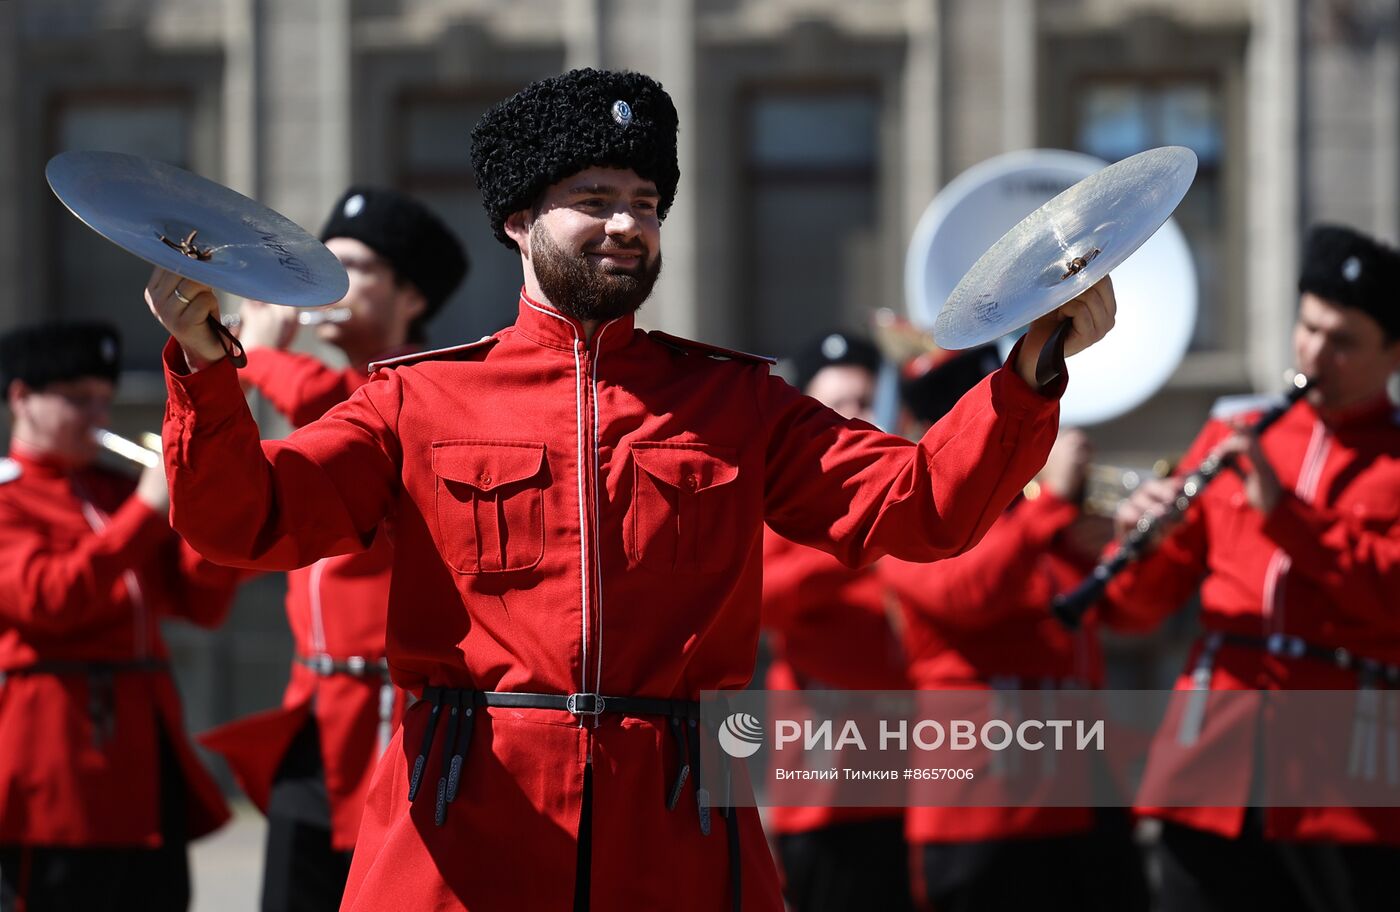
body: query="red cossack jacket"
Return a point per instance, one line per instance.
(336, 608)
(87, 575)
(1323, 567)
(830, 628)
(577, 516)
(982, 619)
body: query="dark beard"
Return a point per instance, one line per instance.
(585, 291)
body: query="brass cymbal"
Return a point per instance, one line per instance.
(1065, 246)
(197, 228)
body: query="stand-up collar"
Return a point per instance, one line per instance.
(547, 326)
(37, 463)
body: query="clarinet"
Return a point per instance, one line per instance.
(1071, 606)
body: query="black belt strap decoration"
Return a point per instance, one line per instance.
(682, 717)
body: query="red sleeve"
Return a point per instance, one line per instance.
(982, 587)
(1358, 568)
(849, 489)
(281, 504)
(52, 590)
(789, 571)
(298, 385)
(1151, 588)
(204, 590)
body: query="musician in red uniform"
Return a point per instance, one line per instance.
(100, 791)
(830, 628)
(1298, 564)
(308, 764)
(577, 510)
(982, 620)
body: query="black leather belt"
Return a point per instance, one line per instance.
(1294, 647)
(80, 667)
(101, 696)
(682, 717)
(354, 666)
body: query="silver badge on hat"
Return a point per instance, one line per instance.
(835, 346)
(1351, 269)
(354, 206)
(622, 112)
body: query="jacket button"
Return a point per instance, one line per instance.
(486, 481)
(692, 483)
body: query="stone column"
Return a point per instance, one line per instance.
(13, 248)
(1275, 81)
(1018, 63)
(241, 91)
(1385, 98)
(304, 101)
(922, 113)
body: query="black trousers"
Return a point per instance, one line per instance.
(60, 879)
(1203, 872)
(1098, 871)
(847, 866)
(302, 872)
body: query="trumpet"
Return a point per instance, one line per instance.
(306, 317)
(146, 453)
(1106, 486)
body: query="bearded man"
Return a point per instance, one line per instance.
(577, 508)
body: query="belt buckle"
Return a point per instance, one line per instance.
(323, 664)
(572, 704)
(356, 665)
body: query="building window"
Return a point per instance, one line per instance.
(93, 279)
(434, 164)
(811, 203)
(1121, 117)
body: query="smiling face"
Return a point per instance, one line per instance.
(591, 247)
(1344, 351)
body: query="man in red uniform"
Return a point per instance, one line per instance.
(308, 764)
(577, 510)
(830, 628)
(99, 789)
(982, 620)
(1298, 564)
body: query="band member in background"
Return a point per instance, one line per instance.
(308, 764)
(100, 791)
(830, 628)
(577, 510)
(1298, 564)
(982, 620)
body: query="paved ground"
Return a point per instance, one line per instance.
(228, 865)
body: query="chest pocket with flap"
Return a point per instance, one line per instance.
(684, 507)
(489, 504)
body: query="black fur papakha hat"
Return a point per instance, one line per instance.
(54, 352)
(931, 385)
(562, 125)
(407, 234)
(1346, 267)
(834, 349)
